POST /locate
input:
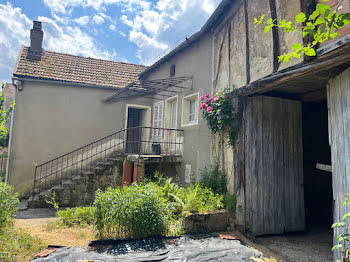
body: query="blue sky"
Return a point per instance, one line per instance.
(122, 30)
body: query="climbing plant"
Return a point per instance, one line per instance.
(343, 239)
(220, 113)
(324, 23)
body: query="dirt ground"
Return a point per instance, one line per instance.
(34, 222)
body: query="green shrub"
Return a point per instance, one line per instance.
(215, 179)
(230, 202)
(132, 212)
(15, 243)
(8, 204)
(79, 216)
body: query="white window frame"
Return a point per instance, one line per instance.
(169, 111)
(158, 133)
(185, 110)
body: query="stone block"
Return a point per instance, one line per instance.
(200, 223)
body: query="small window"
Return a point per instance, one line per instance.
(172, 70)
(190, 110)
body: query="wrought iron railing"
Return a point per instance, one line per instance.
(131, 141)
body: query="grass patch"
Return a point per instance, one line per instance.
(18, 245)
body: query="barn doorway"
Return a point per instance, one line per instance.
(317, 162)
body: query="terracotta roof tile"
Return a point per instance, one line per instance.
(77, 69)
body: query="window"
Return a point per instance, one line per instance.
(171, 112)
(158, 118)
(172, 70)
(190, 110)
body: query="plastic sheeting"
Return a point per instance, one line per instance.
(182, 249)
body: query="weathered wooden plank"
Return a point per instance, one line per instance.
(324, 167)
(339, 122)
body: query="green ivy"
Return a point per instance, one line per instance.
(220, 113)
(323, 24)
(343, 239)
(4, 115)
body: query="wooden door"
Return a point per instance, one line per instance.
(274, 191)
(338, 99)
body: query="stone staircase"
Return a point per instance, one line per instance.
(79, 188)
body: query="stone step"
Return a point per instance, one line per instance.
(106, 164)
(77, 177)
(115, 159)
(97, 168)
(57, 187)
(23, 205)
(87, 172)
(44, 193)
(67, 184)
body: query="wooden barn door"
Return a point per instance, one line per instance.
(338, 96)
(274, 191)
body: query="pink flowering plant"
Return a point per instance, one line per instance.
(219, 112)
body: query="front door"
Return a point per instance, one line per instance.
(274, 190)
(133, 136)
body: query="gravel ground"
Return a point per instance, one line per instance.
(314, 246)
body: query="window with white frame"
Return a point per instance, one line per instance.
(171, 112)
(158, 119)
(190, 110)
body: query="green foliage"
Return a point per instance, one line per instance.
(150, 208)
(230, 202)
(136, 211)
(4, 115)
(51, 200)
(323, 24)
(79, 216)
(214, 179)
(15, 243)
(343, 239)
(8, 205)
(220, 113)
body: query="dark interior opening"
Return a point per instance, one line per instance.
(134, 134)
(316, 149)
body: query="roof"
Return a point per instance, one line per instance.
(75, 69)
(215, 18)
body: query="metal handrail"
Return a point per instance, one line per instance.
(134, 140)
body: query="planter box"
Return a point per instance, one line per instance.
(199, 223)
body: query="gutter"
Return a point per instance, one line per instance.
(52, 81)
(11, 132)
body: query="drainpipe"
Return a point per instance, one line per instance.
(14, 82)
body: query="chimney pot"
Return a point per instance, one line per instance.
(36, 37)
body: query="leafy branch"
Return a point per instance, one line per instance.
(323, 24)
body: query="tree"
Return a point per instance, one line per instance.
(323, 24)
(4, 115)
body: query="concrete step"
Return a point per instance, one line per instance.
(44, 193)
(56, 188)
(97, 168)
(106, 164)
(77, 177)
(115, 159)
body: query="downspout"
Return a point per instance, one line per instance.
(11, 131)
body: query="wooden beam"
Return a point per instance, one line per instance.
(323, 167)
(317, 95)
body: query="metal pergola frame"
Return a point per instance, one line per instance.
(151, 88)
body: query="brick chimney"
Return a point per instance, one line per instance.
(36, 37)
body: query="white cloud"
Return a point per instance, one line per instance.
(83, 20)
(159, 29)
(122, 33)
(112, 27)
(71, 40)
(98, 19)
(14, 33)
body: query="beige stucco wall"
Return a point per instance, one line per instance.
(195, 61)
(54, 119)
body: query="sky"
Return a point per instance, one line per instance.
(134, 31)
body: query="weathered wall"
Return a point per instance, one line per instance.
(53, 119)
(194, 61)
(243, 53)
